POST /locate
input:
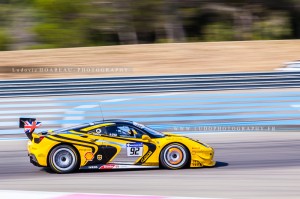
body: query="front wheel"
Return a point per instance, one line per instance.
(174, 156)
(63, 159)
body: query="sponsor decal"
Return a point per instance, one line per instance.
(93, 167)
(196, 163)
(151, 164)
(89, 156)
(108, 166)
(135, 144)
(138, 125)
(98, 131)
(84, 150)
(134, 149)
(148, 154)
(95, 132)
(99, 157)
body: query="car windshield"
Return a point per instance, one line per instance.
(153, 132)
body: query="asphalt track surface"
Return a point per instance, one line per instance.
(250, 165)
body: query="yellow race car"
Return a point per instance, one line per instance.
(112, 144)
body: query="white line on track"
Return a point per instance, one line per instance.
(32, 112)
(177, 133)
(86, 106)
(116, 100)
(77, 110)
(295, 105)
(13, 194)
(16, 117)
(164, 94)
(12, 139)
(31, 99)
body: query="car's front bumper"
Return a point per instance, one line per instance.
(202, 158)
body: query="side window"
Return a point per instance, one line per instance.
(136, 132)
(97, 131)
(124, 131)
(121, 130)
(112, 131)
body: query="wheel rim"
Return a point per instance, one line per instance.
(63, 159)
(175, 156)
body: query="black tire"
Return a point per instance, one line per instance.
(63, 159)
(174, 156)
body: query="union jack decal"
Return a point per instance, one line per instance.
(30, 126)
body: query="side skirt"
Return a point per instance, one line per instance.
(116, 166)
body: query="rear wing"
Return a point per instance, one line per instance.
(29, 125)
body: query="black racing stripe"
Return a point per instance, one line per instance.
(143, 159)
(106, 152)
(93, 149)
(151, 148)
(75, 140)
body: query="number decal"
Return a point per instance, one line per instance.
(134, 149)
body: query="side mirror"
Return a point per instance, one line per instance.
(146, 138)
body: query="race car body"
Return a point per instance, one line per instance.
(114, 144)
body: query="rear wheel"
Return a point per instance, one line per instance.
(174, 156)
(63, 159)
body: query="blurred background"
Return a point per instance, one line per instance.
(39, 24)
(202, 88)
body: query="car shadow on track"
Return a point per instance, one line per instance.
(218, 165)
(48, 170)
